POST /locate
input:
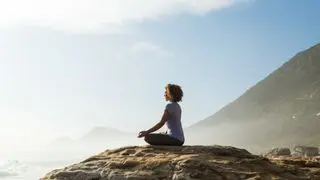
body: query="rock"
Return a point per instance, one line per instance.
(76, 175)
(184, 163)
(305, 151)
(280, 152)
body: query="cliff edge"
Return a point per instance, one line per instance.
(187, 163)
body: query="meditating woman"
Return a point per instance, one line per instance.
(174, 135)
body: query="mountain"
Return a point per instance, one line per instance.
(104, 137)
(104, 133)
(62, 141)
(96, 139)
(283, 108)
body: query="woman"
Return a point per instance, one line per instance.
(171, 117)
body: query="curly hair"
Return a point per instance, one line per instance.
(175, 92)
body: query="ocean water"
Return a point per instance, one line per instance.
(14, 169)
(21, 170)
(33, 166)
(36, 163)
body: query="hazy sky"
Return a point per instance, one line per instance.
(67, 66)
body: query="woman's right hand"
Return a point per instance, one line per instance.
(142, 134)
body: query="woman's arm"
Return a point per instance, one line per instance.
(164, 119)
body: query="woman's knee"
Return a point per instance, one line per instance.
(149, 138)
(146, 138)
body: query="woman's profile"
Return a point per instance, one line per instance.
(171, 117)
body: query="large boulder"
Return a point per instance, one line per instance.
(179, 163)
(279, 152)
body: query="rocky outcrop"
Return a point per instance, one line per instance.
(279, 152)
(183, 163)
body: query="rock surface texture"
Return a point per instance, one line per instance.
(280, 152)
(186, 163)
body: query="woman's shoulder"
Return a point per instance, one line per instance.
(172, 104)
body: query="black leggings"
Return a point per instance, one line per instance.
(162, 139)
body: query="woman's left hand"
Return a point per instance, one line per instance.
(142, 134)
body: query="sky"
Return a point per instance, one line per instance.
(68, 66)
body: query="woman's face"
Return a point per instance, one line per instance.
(167, 95)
